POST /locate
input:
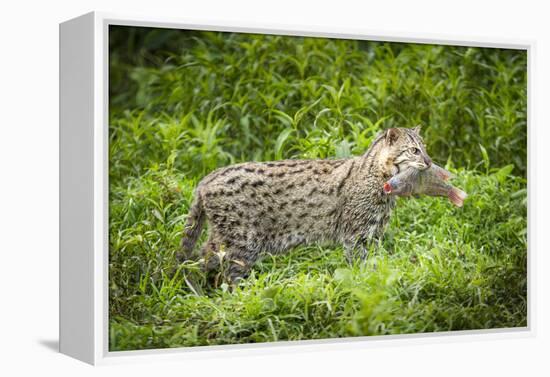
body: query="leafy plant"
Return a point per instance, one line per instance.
(183, 103)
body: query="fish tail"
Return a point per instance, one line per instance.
(457, 196)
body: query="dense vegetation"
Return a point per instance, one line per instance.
(184, 103)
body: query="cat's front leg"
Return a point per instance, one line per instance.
(357, 251)
(360, 249)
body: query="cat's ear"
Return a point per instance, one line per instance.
(392, 134)
(417, 129)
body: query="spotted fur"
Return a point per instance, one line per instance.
(270, 207)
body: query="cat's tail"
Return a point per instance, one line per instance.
(192, 230)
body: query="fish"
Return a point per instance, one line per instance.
(431, 182)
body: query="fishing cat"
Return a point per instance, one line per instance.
(255, 208)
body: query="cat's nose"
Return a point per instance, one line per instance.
(427, 161)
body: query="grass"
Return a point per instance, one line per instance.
(184, 103)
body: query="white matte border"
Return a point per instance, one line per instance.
(101, 248)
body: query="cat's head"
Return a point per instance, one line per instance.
(403, 148)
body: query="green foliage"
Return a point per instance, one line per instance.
(240, 96)
(185, 103)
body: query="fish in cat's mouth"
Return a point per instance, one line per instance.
(432, 182)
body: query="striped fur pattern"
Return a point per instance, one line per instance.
(270, 207)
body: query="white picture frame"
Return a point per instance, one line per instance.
(84, 190)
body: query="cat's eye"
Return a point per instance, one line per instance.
(415, 150)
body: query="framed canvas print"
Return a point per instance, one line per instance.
(225, 187)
